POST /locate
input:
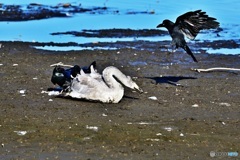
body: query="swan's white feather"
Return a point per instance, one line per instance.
(104, 88)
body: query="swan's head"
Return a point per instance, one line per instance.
(133, 85)
(136, 87)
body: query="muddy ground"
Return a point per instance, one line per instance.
(189, 120)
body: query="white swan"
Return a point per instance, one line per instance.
(106, 88)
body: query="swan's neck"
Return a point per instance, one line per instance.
(111, 75)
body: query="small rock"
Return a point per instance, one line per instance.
(86, 138)
(225, 104)
(169, 129)
(153, 140)
(15, 65)
(69, 14)
(94, 128)
(195, 105)
(104, 115)
(158, 134)
(22, 91)
(21, 133)
(181, 134)
(66, 5)
(153, 98)
(44, 91)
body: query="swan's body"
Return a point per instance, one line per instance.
(105, 88)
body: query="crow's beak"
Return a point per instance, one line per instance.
(160, 25)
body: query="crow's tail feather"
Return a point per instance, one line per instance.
(187, 49)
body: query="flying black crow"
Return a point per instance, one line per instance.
(189, 25)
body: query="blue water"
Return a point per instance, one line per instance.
(226, 11)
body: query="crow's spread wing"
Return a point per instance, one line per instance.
(191, 23)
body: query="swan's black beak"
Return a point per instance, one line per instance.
(139, 90)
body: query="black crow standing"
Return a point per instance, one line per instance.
(189, 25)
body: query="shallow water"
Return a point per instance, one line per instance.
(134, 15)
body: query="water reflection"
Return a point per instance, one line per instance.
(119, 15)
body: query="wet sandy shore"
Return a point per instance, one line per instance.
(189, 120)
